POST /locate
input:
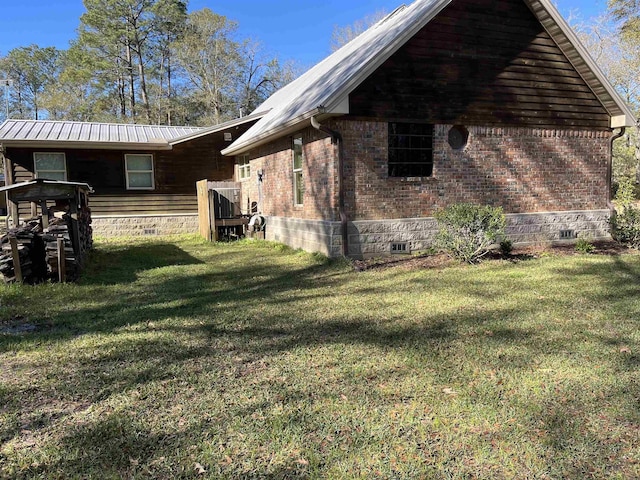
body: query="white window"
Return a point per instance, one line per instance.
(298, 183)
(139, 171)
(244, 169)
(50, 165)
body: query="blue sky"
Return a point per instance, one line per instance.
(299, 30)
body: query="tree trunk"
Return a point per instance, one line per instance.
(143, 83)
(169, 105)
(132, 83)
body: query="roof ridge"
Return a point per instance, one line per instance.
(32, 120)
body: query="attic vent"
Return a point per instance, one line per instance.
(566, 234)
(227, 136)
(399, 247)
(150, 231)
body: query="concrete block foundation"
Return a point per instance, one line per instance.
(139, 225)
(373, 238)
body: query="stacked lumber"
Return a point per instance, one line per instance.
(45, 253)
(86, 231)
(60, 229)
(24, 243)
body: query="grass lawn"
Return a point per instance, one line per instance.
(175, 358)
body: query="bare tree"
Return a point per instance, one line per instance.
(342, 35)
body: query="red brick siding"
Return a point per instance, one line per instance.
(319, 174)
(521, 169)
(524, 170)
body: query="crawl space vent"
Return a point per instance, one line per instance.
(566, 234)
(150, 231)
(399, 247)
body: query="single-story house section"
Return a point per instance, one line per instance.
(144, 176)
(443, 101)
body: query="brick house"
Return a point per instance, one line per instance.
(143, 176)
(443, 101)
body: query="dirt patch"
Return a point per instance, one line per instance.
(519, 254)
(17, 325)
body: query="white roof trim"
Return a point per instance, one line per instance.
(219, 128)
(564, 36)
(326, 86)
(329, 83)
(288, 127)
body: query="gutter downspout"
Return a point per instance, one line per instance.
(336, 138)
(613, 138)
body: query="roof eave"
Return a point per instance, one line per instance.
(337, 101)
(585, 65)
(85, 145)
(219, 128)
(291, 126)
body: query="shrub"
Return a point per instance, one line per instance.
(625, 194)
(506, 247)
(467, 231)
(584, 246)
(625, 226)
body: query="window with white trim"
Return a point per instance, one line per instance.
(298, 183)
(244, 169)
(139, 171)
(50, 165)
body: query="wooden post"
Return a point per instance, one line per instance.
(75, 229)
(212, 215)
(45, 214)
(62, 261)
(204, 217)
(17, 267)
(12, 207)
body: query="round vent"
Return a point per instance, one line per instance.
(458, 137)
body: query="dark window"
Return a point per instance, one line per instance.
(410, 150)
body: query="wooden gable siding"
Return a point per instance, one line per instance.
(481, 62)
(176, 173)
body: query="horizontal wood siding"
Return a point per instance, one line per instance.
(176, 173)
(481, 62)
(142, 204)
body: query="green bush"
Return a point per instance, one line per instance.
(467, 231)
(626, 192)
(584, 246)
(625, 226)
(506, 247)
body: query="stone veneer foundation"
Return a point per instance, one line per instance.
(369, 238)
(116, 226)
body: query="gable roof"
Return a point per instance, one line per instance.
(67, 134)
(324, 89)
(46, 133)
(231, 124)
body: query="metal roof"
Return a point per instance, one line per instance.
(39, 181)
(84, 134)
(324, 89)
(218, 128)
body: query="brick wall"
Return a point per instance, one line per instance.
(560, 176)
(524, 170)
(276, 162)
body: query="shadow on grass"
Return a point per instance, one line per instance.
(230, 313)
(122, 264)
